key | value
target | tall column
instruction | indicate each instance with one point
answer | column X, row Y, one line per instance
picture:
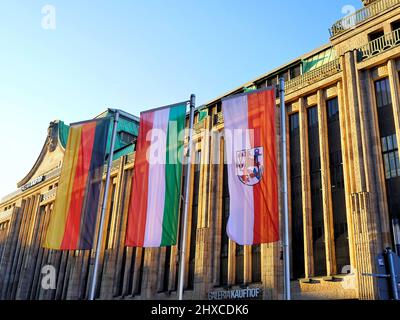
column 306, row 188
column 202, row 277
column 326, row 186
column 346, row 168
column 362, row 214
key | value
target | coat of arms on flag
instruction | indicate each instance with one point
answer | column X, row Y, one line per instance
column 250, row 166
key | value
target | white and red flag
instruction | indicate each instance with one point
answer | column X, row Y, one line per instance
column 250, row 146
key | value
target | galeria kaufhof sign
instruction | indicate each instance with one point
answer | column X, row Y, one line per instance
column 236, row 294
column 33, row 183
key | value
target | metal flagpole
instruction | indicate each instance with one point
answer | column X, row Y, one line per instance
column 186, row 209
column 286, row 251
column 103, row 209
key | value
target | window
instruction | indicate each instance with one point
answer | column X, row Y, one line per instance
column 337, row 186
column 296, row 199
column 256, row 263
column 389, row 144
column 239, row 264
column 167, row 266
column 195, row 208
column 125, row 277
column 316, row 193
column 395, row 25
column 219, row 107
column 126, row 137
column 376, row 35
column 391, row 156
column 138, row 289
column 284, row 75
column 383, row 96
column 272, row 81
column 223, row 269
column 313, row 118
column 109, row 234
column 295, row 72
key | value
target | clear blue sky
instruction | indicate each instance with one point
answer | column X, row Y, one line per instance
column 137, row 55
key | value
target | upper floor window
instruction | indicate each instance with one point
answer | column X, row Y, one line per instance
column 284, row 75
column 294, row 123
column 376, row 35
column 383, row 96
column 126, row 137
column 312, row 117
column 295, row 72
column 395, row 25
column 333, row 110
column 391, row 157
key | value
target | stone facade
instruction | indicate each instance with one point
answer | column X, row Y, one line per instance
column 365, row 54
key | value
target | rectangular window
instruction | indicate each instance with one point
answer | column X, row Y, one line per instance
column 195, row 208
column 295, row 72
column 391, row 157
column 395, row 25
column 256, row 264
column 337, row 186
column 296, row 199
column 126, row 137
column 109, row 234
column 167, row 266
column 239, row 264
column 138, row 289
column 375, row 35
column 387, row 131
column 316, row 193
column 223, row 272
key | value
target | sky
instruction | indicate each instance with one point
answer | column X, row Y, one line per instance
column 84, row 56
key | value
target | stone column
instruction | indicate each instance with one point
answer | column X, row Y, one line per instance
column 362, row 216
column 326, row 185
column 306, row 191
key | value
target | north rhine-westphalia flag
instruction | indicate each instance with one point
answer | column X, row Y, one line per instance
column 250, row 146
column 72, row 222
column 156, row 187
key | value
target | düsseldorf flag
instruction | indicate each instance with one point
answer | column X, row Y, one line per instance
column 250, row 146
column 156, row 189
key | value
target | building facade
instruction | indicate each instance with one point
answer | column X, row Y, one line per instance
column 343, row 128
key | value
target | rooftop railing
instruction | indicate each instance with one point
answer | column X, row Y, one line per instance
column 353, row 20
column 380, row 45
column 313, row 76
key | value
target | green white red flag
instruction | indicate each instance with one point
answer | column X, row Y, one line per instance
column 155, row 198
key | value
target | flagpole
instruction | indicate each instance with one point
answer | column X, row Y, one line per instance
column 286, row 249
column 181, row 275
column 103, row 209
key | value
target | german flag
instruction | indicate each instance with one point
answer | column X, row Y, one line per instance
column 72, row 222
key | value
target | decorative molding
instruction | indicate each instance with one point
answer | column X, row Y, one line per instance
column 49, row 145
